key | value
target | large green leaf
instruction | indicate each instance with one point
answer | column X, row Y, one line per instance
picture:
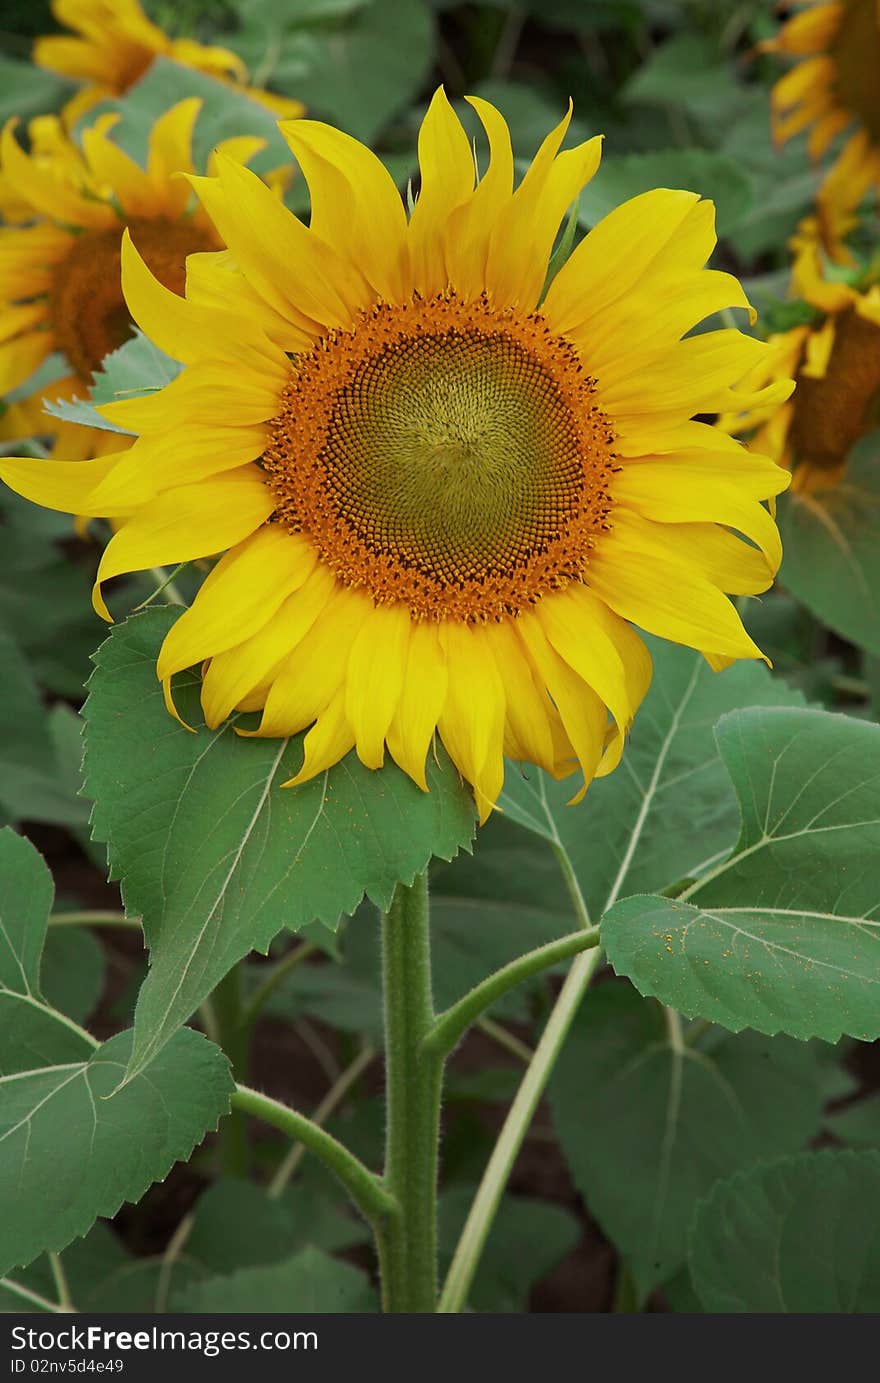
column 357, row 72
column 239, row 1225
column 688, row 74
column 784, row 934
column 32, row 1032
column 649, row 1120
column 798, row 1237
column 209, row 848
column 832, row 548
column 72, row 973
column 309, row 1282
column 71, row 1149
column 669, row 808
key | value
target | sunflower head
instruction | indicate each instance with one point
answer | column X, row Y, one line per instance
column 60, row 287
column 443, row 495
column 834, row 354
column 113, row 45
column 833, row 88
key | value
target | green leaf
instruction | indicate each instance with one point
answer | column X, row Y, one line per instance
column 309, row 1282
column 72, row 973
column 209, row 849
column 44, row 596
column 239, row 1225
column 71, row 1149
column 782, row 935
column 135, row 368
column 669, row 809
column 86, row 1262
column 648, row 1121
column 687, row 73
column 361, row 72
column 710, row 174
column 798, row 1237
column 28, row 90
column 832, row 548
column 529, row 1238
column 32, row 1032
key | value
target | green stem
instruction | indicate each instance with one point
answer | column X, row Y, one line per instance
column 65, row 1300
column 504, row 1154
column 413, row 1077
column 626, row 1299
column 277, row 973
column 93, row 919
column 450, row 1027
column 364, row 1187
column 233, row 1038
column 18, row 1289
column 166, row 583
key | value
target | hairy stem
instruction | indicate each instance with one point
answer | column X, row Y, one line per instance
column 449, row 1028
column 363, row 1186
column 413, row 1076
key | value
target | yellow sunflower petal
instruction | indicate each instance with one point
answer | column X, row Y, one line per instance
column 470, row 224
column 615, row 254
column 184, row 523
column 178, row 327
column 523, row 237
column 582, row 712
column 266, row 239
column 232, row 676
column 472, row 719
column 20, row 357
column 652, row 583
column 312, row 676
column 356, row 208
column 239, row 597
column 374, row 679
column 329, row 740
column 62, row 485
column 55, row 199
column 446, row 164
column 420, row 702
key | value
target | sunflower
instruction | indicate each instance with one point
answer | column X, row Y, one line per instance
column 60, row 287
column 835, row 357
column 835, row 87
column 440, row 492
column 115, row 47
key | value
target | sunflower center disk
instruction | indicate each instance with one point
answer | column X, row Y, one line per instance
column 856, row 54
column 831, row 413
column 87, row 311
column 444, row 455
